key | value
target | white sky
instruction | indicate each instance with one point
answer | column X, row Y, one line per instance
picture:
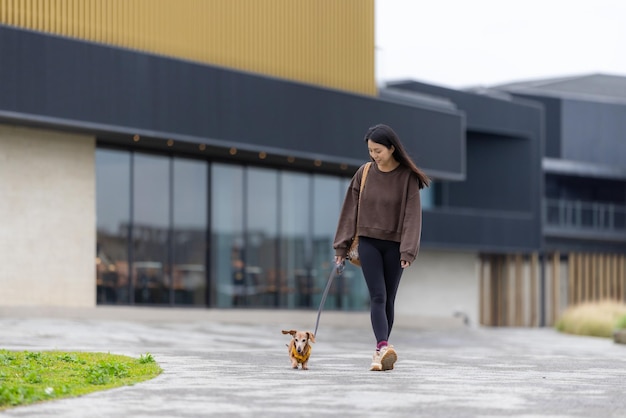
column 464, row 43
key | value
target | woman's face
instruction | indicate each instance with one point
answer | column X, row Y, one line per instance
column 380, row 153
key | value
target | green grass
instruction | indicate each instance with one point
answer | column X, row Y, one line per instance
column 29, row 377
column 597, row 319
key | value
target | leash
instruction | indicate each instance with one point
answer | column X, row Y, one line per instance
column 334, row 272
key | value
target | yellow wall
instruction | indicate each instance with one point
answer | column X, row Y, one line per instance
column 323, row 42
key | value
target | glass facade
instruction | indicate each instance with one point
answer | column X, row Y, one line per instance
column 150, row 232
column 189, row 231
column 113, row 226
column 179, row 231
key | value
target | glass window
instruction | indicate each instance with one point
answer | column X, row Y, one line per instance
column 348, row 291
column 189, row 231
column 270, row 244
column 150, row 232
column 427, row 196
column 295, row 215
column 228, row 275
column 267, row 284
column 328, row 194
column 113, row 223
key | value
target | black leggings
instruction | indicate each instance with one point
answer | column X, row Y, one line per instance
column 380, row 262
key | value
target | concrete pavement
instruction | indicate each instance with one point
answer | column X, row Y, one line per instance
column 235, row 364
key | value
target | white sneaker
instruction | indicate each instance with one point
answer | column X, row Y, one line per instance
column 376, row 366
column 388, row 357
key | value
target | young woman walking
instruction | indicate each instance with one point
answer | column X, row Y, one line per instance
column 389, row 228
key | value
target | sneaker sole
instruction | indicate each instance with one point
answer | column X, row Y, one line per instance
column 388, row 360
column 376, row 368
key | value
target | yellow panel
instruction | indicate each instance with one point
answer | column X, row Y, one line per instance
column 323, row 42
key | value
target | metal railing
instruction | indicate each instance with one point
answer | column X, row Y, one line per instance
column 577, row 214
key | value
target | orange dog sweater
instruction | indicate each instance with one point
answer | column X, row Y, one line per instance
column 301, row 357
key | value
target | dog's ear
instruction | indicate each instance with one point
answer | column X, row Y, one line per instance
column 310, row 336
column 292, row 332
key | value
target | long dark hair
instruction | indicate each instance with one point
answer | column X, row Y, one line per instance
column 384, row 135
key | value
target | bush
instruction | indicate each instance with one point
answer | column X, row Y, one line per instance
column 596, row 319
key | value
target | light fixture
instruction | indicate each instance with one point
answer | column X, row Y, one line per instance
column 136, row 138
column 232, row 151
column 317, row 163
column 344, row 166
column 202, row 147
column 262, row 155
column 291, row 159
column 170, row 142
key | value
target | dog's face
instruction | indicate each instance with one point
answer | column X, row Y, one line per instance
column 300, row 339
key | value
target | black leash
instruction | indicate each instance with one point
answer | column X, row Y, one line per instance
column 334, row 272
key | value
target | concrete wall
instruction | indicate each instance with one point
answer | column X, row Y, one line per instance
column 440, row 283
column 47, row 218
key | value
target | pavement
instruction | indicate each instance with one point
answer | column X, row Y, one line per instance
column 234, row 363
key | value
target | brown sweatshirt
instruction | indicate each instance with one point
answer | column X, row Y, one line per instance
column 390, row 210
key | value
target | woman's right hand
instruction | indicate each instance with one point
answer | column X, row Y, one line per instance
column 339, row 259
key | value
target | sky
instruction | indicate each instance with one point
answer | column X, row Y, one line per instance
column 470, row 43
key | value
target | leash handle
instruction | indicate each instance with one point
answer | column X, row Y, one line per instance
column 338, row 270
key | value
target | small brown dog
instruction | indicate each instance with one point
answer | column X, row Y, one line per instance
column 299, row 347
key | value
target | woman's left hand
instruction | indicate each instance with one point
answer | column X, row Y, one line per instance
column 404, row 264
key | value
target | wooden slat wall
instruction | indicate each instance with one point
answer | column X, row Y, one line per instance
column 556, row 286
column 510, row 289
column 328, row 43
column 534, row 290
column 595, row 277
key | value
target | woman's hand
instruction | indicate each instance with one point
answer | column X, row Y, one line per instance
column 404, row 264
column 339, row 259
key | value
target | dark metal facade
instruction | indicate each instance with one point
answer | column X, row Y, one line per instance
column 497, row 208
column 118, row 93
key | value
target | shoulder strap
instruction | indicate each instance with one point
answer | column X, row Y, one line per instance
column 358, row 206
column 365, row 170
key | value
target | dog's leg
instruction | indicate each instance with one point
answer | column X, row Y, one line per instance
column 294, row 363
column 305, row 365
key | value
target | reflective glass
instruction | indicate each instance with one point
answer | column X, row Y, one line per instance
column 327, row 198
column 348, row 291
column 113, row 223
column 270, row 243
column 150, row 231
column 266, row 283
column 228, row 273
column 295, row 243
column 189, row 231
column 427, row 196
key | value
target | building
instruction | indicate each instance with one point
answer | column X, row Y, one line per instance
column 560, row 165
column 584, row 172
column 197, row 154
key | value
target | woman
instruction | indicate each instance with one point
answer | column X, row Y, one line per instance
column 389, row 228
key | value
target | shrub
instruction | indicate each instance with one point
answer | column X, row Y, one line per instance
column 596, row 319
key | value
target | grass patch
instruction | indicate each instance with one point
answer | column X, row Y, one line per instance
column 597, row 319
column 29, row 377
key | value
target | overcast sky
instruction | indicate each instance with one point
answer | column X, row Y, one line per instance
column 464, row 43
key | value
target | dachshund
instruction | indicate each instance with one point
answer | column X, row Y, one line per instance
column 299, row 347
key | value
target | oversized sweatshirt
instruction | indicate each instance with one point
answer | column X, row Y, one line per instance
column 390, row 210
